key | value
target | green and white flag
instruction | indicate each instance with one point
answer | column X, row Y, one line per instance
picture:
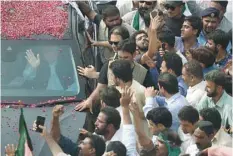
column 25, row 145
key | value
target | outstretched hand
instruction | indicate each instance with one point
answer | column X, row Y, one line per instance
column 88, row 71
column 84, row 105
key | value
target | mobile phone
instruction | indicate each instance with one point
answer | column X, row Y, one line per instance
column 163, row 46
column 154, row 13
column 40, row 120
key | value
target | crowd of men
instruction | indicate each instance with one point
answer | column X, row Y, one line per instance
column 164, row 82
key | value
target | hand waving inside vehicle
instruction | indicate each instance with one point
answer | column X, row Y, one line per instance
column 33, row 60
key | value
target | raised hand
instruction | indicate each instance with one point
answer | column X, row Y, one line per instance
column 126, row 97
column 58, row 110
column 134, row 109
column 10, row 150
column 88, row 72
column 157, row 22
column 150, row 92
column 33, row 60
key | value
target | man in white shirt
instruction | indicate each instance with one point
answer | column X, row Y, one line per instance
column 202, row 137
column 193, row 77
column 221, row 138
column 188, row 117
column 140, row 19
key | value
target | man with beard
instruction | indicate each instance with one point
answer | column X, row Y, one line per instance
column 218, row 41
column 109, row 19
column 188, row 117
column 216, row 95
column 91, row 146
column 140, row 19
column 202, row 137
column 108, row 124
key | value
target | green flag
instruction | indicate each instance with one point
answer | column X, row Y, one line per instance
column 25, row 145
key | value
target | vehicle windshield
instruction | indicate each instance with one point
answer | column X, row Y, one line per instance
column 46, row 70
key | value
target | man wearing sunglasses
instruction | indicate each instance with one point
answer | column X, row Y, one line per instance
column 140, row 19
column 106, row 21
column 174, row 16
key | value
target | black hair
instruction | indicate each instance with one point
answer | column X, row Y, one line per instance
column 194, row 68
column 206, row 126
column 134, row 35
column 228, row 84
column 222, row 3
column 189, row 114
column 98, row 144
column 160, row 115
column 166, row 36
column 195, row 22
column 127, row 45
column 113, row 116
column 219, row 37
column 212, row 115
column 173, row 62
column 110, row 96
column 168, row 82
column 203, row 55
column 110, row 11
column 117, row 147
column 122, row 70
column 216, row 76
column 121, row 31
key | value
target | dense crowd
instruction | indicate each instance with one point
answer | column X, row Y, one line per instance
column 164, row 82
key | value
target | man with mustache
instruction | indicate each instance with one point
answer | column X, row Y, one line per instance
column 202, row 137
column 140, row 19
column 216, row 95
column 210, row 20
column 109, row 19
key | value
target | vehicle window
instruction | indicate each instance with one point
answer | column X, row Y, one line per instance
column 46, row 70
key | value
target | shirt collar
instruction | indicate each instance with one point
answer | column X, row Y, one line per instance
column 220, row 102
column 172, row 98
column 197, row 86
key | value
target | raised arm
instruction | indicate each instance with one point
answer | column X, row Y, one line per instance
column 53, row 145
column 55, row 131
column 129, row 136
column 143, row 139
column 85, row 9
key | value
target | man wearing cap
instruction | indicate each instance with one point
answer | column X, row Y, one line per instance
column 174, row 18
column 210, row 20
column 225, row 24
column 203, row 135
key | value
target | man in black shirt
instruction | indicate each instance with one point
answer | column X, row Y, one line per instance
column 126, row 51
column 174, row 17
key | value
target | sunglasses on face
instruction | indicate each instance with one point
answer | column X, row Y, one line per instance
column 147, row 3
column 167, row 7
column 115, row 43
